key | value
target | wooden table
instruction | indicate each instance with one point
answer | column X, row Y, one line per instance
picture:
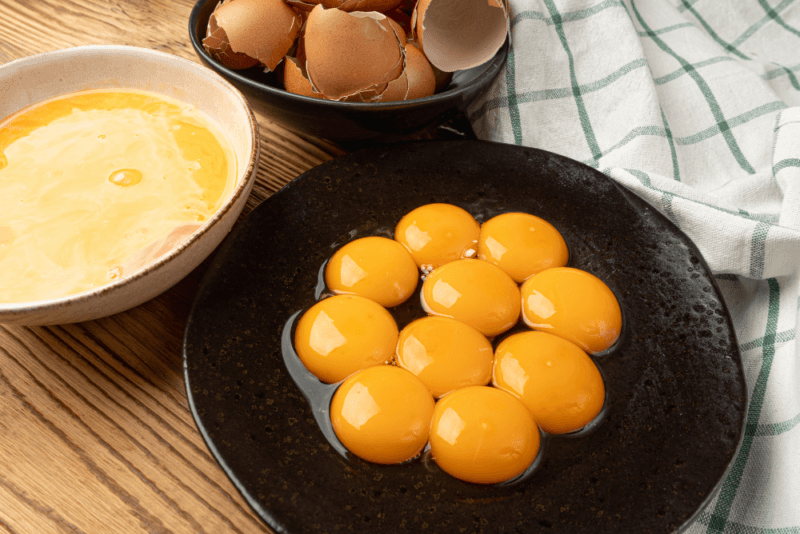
column 95, row 430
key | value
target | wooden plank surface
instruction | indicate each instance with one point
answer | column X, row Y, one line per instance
column 95, row 431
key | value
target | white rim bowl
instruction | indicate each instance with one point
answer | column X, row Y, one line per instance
column 35, row 78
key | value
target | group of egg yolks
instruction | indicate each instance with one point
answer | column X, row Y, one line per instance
column 484, row 426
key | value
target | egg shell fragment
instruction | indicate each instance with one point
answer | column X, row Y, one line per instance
column 397, row 90
column 460, row 34
column 295, row 79
column 262, row 29
column 421, row 78
column 352, row 54
column 218, row 46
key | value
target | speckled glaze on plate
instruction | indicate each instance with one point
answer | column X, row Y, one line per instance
column 676, row 392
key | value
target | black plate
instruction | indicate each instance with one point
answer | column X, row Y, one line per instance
column 676, row 391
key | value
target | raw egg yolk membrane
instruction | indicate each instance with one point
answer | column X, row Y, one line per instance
column 522, row 245
column 377, row 268
column 574, row 305
column 557, row 381
column 382, row 414
column 483, row 435
column 437, row 234
column 89, row 179
column 343, row 334
column 445, row 354
column 474, row 292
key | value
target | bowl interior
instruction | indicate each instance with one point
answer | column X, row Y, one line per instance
column 36, row 78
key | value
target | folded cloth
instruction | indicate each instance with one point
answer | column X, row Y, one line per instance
column 695, row 106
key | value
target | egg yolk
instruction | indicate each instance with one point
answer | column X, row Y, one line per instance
column 557, row 381
column 445, row 354
column 522, row 245
column 343, row 334
column 474, row 292
column 382, row 414
column 483, row 435
column 574, row 305
column 377, row 268
column 437, row 234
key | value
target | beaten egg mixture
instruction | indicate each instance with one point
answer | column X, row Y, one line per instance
column 89, row 180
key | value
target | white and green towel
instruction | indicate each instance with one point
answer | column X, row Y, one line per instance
column 695, row 106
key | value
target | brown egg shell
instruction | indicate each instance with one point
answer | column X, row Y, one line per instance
column 352, row 54
column 295, row 79
column 460, row 34
column 217, row 45
column 397, row 90
column 262, row 29
column 421, row 78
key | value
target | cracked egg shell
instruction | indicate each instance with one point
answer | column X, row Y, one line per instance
column 397, row 90
column 351, row 54
column 295, row 79
column 261, row 29
column 217, row 45
column 460, row 34
column 421, row 78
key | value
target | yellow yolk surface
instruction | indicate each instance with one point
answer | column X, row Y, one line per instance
column 343, row 334
column 572, row 304
column 554, row 378
column 382, row 414
column 90, row 179
column 374, row 267
column 474, row 292
column 483, row 435
column 522, row 245
column 445, row 354
column 437, row 234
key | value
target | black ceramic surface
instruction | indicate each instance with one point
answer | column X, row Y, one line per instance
column 676, row 393
column 344, row 121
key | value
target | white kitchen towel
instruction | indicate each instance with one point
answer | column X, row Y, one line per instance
column 695, row 106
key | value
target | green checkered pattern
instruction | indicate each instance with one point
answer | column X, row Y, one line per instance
column 695, row 106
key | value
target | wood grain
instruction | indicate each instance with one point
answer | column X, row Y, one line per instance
column 95, row 431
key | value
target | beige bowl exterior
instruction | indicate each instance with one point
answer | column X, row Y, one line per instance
column 35, row 78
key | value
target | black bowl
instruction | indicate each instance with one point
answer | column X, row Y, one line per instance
column 346, row 121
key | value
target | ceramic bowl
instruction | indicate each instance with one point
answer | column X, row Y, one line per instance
column 35, row 78
column 346, row 121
